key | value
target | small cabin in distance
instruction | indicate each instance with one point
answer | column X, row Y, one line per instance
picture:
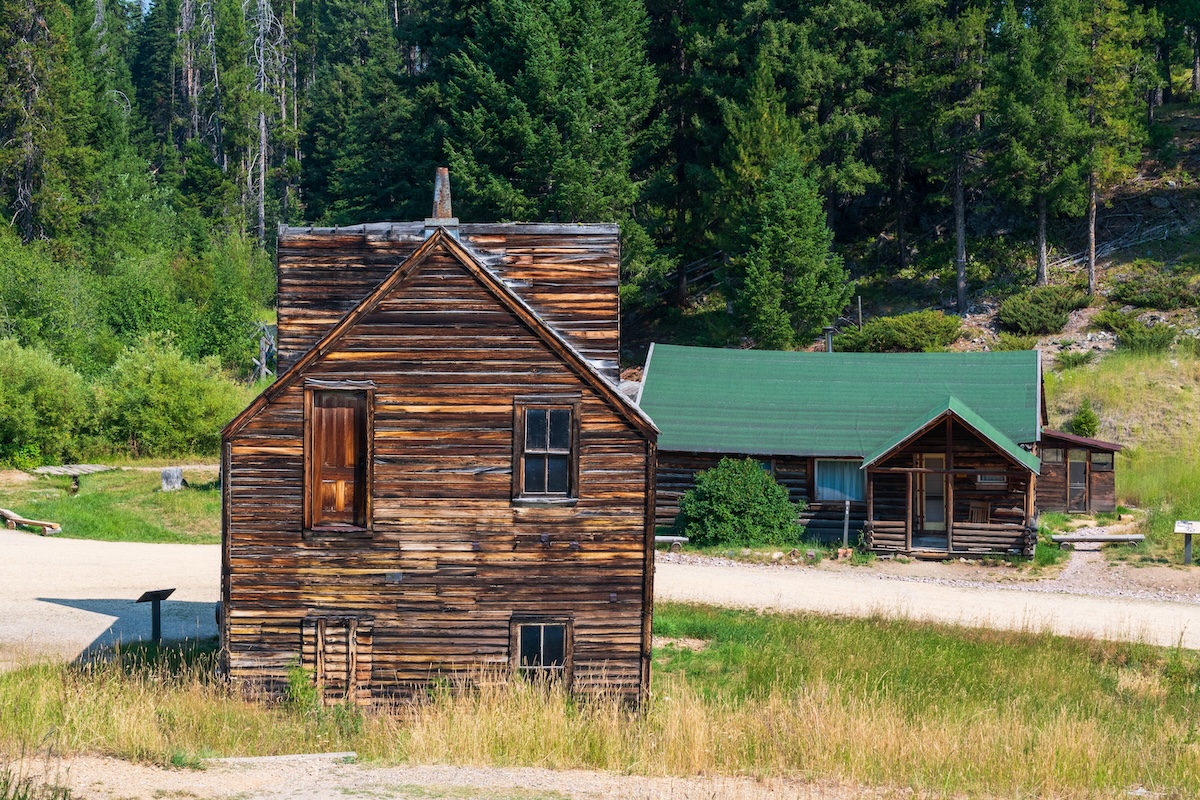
column 444, row 479
column 1078, row 473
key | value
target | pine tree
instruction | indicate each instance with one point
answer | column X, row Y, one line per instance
column 1040, row 158
column 547, row 102
column 794, row 284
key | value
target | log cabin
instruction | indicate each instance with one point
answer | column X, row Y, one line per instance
column 929, row 454
column 444, row 481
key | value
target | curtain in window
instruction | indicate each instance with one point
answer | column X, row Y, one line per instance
column 841, row 480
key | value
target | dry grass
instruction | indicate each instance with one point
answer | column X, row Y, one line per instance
column 876, row 702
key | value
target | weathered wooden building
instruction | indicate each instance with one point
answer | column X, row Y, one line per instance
column 444, row 478
column 932, row 451
column 1078, row 473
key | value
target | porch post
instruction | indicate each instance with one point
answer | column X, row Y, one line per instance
column 908, row 498
column 949, row 483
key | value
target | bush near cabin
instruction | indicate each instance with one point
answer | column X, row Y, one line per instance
column 738, row 503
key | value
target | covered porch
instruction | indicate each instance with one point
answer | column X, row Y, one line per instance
column 951, row 485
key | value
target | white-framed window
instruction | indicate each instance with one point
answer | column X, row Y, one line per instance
column 992, row 482
column 839, row 479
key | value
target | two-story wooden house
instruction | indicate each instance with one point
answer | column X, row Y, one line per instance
column 444, row 479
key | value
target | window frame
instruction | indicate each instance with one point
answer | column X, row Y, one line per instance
column 1111, row 466
column 992, row 482
column 566, row 672
column 521, row 406
column 817, row 498
column 362, row 528
column 1059, row 450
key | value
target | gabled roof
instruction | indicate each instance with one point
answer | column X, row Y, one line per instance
column 955, row 409
column 441, row 239
column 761, row 402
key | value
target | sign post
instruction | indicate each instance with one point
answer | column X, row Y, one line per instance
column 155, row 599
column 1187, row 528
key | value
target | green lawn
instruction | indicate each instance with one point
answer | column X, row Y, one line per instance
column 123, row 505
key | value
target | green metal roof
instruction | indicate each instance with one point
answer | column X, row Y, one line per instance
column 956, row 408
column 762, row 402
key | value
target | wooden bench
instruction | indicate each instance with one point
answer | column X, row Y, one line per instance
column 12, row 519
column 1103, row 538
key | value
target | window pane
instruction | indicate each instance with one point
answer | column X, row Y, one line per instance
column 840, row 480
column 535, row 474
column 535, row 429
column 1053, row 455
column 531, row 645
column 560, row 429
column 554, row 645
column 557, row 474
column 1102, row 461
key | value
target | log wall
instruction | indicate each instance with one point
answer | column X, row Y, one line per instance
column 568, row 274
column 1007, row 512
column 450, row 558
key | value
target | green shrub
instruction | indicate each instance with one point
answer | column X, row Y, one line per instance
column 1134, row 335
column 1010, row 341
column 1148, row 284
column 1073, row 360
column 155, row 402
column 916, row 332
column 1086, row 421
column 42, row 406
column 738, row 503
column 1042, row 310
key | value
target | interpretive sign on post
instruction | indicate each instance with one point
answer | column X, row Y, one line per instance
column 1187, row 527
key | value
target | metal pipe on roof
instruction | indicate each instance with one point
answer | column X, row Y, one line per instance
column 828, row 331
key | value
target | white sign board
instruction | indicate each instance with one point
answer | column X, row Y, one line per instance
column 1187, row 526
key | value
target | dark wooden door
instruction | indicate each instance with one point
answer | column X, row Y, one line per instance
column 1077, row 480
column 339, row 441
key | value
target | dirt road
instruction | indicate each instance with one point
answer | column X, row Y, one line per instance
column 60, row 597
column 865, row 592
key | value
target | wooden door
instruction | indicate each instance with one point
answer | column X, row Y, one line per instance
column 336, row 651
column 339, row 427
column 1077, row 480
column 933, row 494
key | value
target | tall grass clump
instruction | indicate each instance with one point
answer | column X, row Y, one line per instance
column 15, row 784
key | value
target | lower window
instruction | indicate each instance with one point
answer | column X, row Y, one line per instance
column 542, row 648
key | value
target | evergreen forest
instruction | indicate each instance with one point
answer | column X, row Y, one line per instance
column 783, row 149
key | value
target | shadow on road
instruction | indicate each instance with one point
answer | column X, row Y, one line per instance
column 181, row 620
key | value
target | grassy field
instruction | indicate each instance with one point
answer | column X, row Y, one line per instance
column 1150, row 404
column 941, row 710
column 123, row 505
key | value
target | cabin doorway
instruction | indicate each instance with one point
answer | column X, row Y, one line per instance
column 1077, row 480
column 930, row 533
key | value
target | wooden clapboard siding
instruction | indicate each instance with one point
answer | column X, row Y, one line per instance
column 1052, row 484
column 450, row 558
column 568, row 274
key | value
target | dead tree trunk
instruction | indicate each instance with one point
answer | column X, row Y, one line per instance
column 1091, row 233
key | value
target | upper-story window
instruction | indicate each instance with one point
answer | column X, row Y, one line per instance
column 337, row 459
column 547, row 452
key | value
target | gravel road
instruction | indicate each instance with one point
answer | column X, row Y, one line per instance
column 61, row 597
